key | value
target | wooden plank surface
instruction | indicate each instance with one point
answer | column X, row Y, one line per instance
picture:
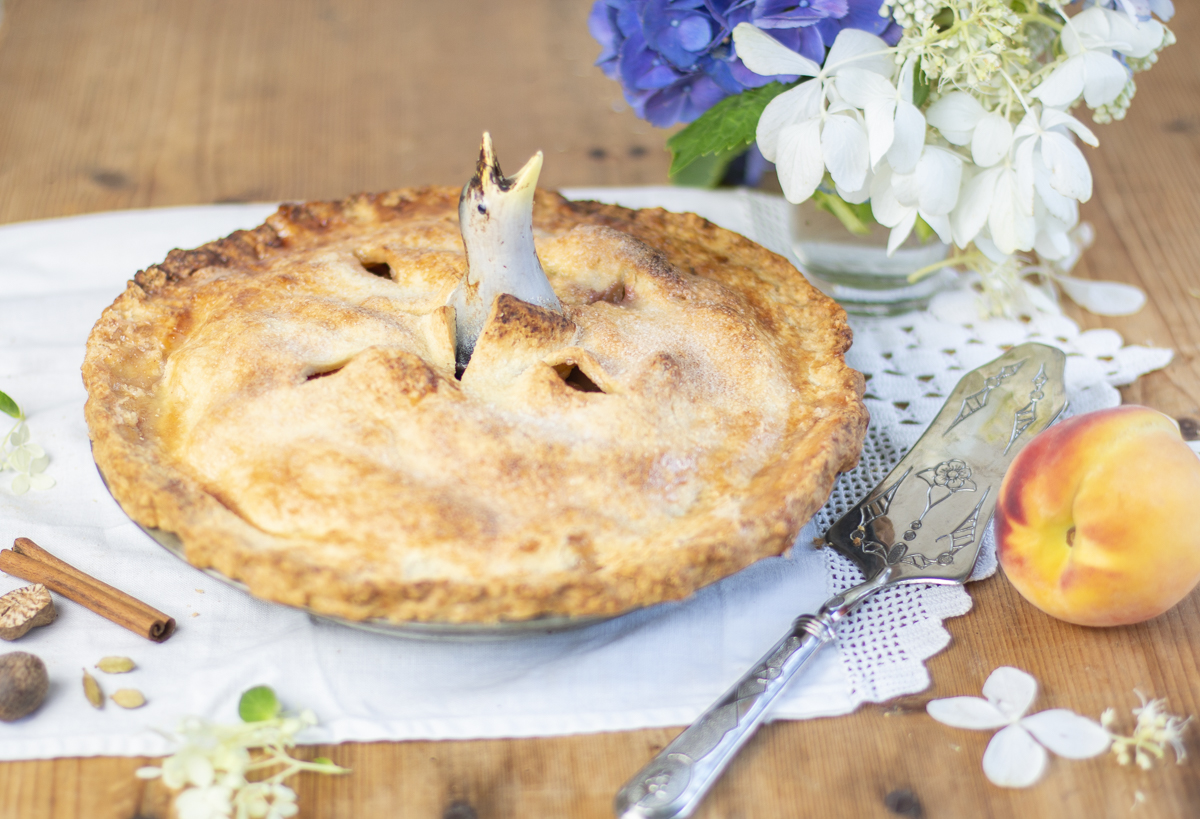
column 138, row 103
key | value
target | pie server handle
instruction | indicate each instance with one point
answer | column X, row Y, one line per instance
column 674, row 782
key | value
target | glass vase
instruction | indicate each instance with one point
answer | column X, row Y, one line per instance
column 856, row 271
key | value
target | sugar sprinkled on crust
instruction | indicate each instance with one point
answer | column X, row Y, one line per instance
column 285, row 401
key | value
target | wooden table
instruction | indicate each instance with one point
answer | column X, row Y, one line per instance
column 138, row 103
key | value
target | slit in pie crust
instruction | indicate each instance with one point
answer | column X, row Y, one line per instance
column 286, row 401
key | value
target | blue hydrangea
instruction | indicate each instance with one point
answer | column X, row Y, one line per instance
column 675, row 59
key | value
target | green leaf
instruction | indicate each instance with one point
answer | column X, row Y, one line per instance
column 258, row 704
column 728, row 126
column 856, row 218
column 9, row 406
column 706, row 171
column 920, row 85
column 322, row 760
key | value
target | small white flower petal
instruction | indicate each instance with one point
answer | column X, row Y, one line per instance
column 1103, row 298
column 1040, row 301
column 1024, row 173
column 792, row 107
column 1106, row 79
column 985, row 245
column 1069, row 171
column 909, row 139
column 992, row 139
column 1068, row 734
column 1091, row 28
column 41, row 482
column 877, row 98
column 1011, row 228
column 1053, row 118
column 149, row 772
column 940, row 224
column 1052, row 242
column 859, row 196
column 1075, row 34
column 19, row 435
column 862, row 50
column 885, row 207
column 1027, row 127
column 901, row 232
column 20, row 484
column 881, row 128
column 1013, row 759
column 956, row 116
column 1135, row 38
column 904, row 82
column 1011, row 689
column 1064, row 85
column 1062, row 208
column 212, row 802
column 846, row 151
column 939, row 177
column 906, row 187
column 967, row 712
column 199, row 770
column 173, row 778
column 974, row 205
column 1129, row 7
column 799, row 161
column 20, row 459
column 861, row 87
column 766, row 56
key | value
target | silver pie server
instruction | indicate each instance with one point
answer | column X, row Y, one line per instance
column 922, row 524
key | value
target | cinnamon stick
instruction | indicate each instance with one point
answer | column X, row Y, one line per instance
column 31, row 562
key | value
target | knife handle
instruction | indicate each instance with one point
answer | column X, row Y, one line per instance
column 674, row 782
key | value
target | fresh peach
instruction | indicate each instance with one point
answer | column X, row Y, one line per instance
column 1093, row 522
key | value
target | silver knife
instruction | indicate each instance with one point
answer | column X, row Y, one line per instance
column 922, row 524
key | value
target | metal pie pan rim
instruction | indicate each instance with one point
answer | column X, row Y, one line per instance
column 416, row 630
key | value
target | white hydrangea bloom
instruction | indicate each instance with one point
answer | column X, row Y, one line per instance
column 895, row 127
column 1091, row 71
column 991, row 164
column 205, row 802
column 810, row 129
column 212, row 765
column 25, row 458
column 1016, row 756
column 930, row 191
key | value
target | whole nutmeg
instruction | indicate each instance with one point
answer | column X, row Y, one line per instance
column 23, row 684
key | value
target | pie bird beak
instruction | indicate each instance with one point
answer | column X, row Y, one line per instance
column 491, row 181
column 526, row 179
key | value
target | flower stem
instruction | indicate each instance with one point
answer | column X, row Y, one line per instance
column 964, row 259
column 1036, row 17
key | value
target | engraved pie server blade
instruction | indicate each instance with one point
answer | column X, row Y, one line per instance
column 922, row 524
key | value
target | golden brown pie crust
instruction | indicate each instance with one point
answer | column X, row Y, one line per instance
column 285, row 401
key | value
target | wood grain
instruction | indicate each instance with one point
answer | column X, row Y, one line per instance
column 138, row 103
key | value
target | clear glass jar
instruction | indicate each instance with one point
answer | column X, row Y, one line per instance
column 856, row 271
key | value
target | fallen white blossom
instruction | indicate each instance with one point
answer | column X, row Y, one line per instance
column 1016, row 756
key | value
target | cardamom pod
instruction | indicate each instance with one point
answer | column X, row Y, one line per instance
column 91, row 690
column 129, row 698
column 116, row 665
